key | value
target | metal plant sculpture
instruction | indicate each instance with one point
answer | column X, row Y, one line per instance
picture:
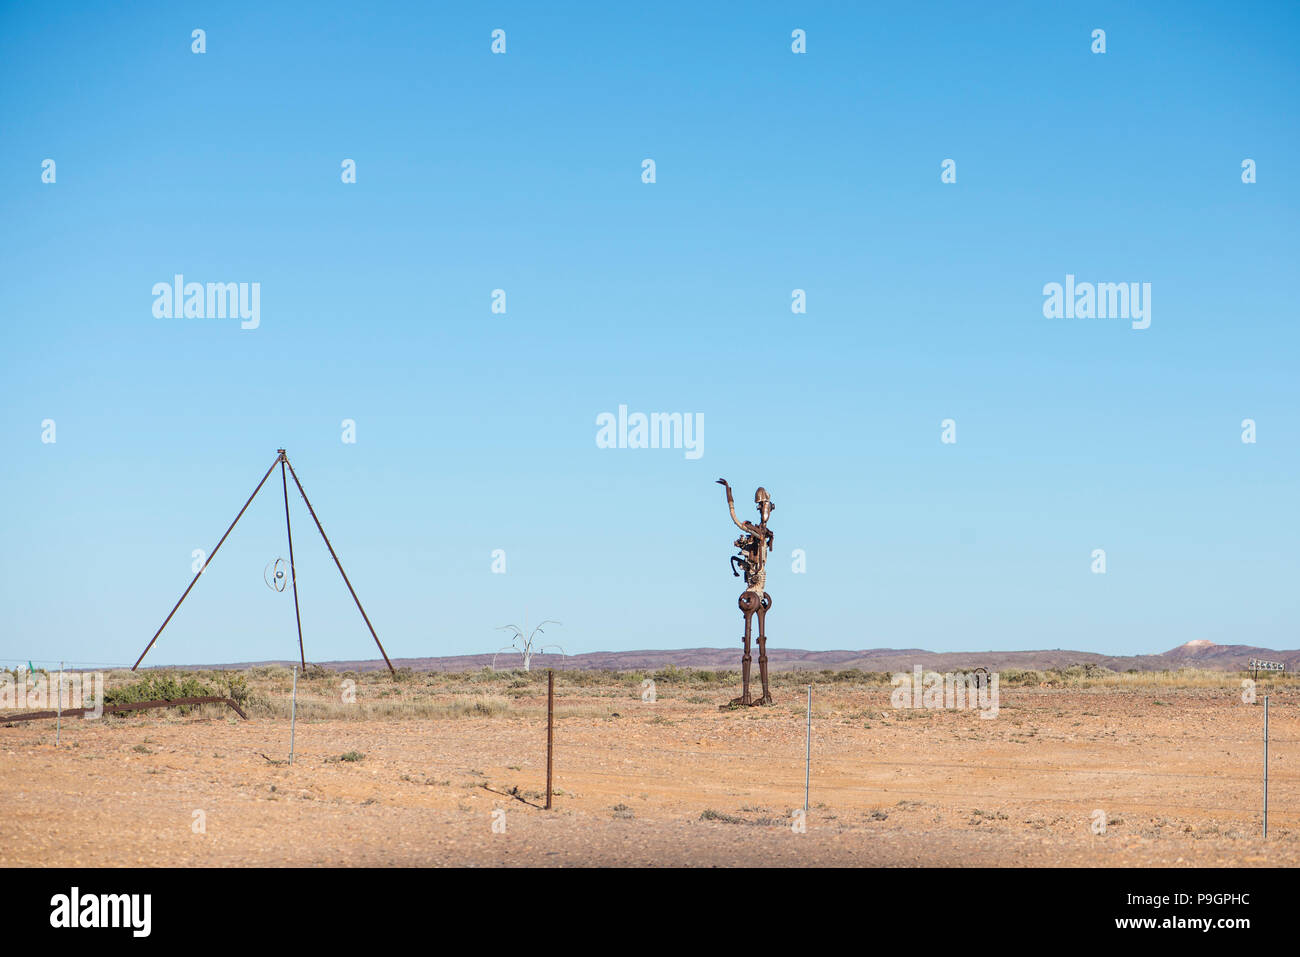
column 524, row 640
column 752, row 561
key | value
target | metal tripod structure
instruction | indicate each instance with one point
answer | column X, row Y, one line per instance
column 282, row 460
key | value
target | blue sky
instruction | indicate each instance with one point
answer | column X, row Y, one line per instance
column 774, row 171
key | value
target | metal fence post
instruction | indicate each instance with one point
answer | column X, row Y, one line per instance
column 807, row 758
column 293, row 713
column 1266, row 767
column 550, row 731
column 58, row 721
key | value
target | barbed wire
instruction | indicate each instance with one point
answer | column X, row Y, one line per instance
column 54, row 664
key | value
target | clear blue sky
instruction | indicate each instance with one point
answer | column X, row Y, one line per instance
column 775, row 171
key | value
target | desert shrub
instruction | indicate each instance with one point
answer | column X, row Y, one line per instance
column 162, row 686
column 159, row 686
column 235, row 687
column 1075, row 673
column 708, row 814
column 797, row 677
column 671, row 674
column 483, row 705
column 262, row 672
column 262, row 704
column 1021, row 676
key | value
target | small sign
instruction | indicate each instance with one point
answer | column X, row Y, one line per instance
column 1257, row 665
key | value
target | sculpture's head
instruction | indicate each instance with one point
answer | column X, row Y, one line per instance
column 763, row 502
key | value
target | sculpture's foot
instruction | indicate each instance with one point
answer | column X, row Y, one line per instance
column 762, row 699
column 742, row 702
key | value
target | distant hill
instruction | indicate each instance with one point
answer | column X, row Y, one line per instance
column 1194, row 654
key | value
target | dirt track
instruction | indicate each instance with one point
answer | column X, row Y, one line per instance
column 1178, row 777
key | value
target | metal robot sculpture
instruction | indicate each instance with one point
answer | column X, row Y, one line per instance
column 752, row 559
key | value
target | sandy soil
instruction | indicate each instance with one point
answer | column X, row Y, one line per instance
column 674, row 782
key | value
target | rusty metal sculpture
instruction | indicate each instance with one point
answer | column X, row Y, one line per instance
column 282, row 460
column 752, row 561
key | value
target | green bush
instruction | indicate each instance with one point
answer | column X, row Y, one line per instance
column 159, row 687
column 162, row 686
column 235, row 687
column 1021, row 676
column 671, row 674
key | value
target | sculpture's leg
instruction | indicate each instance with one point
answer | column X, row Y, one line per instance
column 748, row 605
column 763, row 606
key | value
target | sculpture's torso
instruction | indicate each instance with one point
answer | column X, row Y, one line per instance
column 753, row 551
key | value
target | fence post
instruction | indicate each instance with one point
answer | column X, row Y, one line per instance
column 58, row 721
column 293, row 713
column 1266, row 767
column 550, row 730
column 807, row 758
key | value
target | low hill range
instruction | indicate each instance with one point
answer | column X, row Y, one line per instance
column 1194, row 654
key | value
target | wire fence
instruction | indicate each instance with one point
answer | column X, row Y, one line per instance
column 44, row 664
column 697, row 773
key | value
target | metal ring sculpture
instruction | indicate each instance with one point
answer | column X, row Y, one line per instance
column 275, row 575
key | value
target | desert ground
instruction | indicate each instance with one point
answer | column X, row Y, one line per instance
column 438, row 769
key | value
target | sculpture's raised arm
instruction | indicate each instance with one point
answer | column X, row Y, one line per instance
column 731, row 504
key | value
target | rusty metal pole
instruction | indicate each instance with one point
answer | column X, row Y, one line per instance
column 293, row 573
column 550, row 731
column 321, row 529
column 206, row 562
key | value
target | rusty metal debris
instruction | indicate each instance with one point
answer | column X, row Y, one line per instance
column 752, row 562
column 282, row 460
column 133, row 706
